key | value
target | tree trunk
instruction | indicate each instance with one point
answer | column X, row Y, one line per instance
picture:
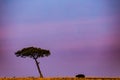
column 37, row 63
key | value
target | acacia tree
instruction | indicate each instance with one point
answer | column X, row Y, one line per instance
column 34, row 53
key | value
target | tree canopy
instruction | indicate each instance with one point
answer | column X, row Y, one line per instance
column 32, row 52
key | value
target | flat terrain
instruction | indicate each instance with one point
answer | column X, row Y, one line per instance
column 33, row 78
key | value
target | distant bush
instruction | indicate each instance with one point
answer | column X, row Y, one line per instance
column 80, row 76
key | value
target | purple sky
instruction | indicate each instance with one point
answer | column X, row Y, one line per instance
column 82, row 35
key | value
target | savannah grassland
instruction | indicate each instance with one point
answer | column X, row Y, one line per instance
column 33, row 78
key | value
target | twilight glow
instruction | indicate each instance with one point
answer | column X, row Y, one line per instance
column 82, row 35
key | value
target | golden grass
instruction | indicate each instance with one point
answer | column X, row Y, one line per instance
column 64, row 78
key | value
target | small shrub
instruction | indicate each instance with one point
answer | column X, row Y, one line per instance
column 80, row 76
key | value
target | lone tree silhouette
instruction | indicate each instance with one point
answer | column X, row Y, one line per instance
column 35, row 53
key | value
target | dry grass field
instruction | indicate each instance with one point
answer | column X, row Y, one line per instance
column 33, row 78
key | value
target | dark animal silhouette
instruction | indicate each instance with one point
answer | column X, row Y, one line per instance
column 80, row 76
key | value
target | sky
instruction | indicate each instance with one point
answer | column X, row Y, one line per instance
column 82, row 35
